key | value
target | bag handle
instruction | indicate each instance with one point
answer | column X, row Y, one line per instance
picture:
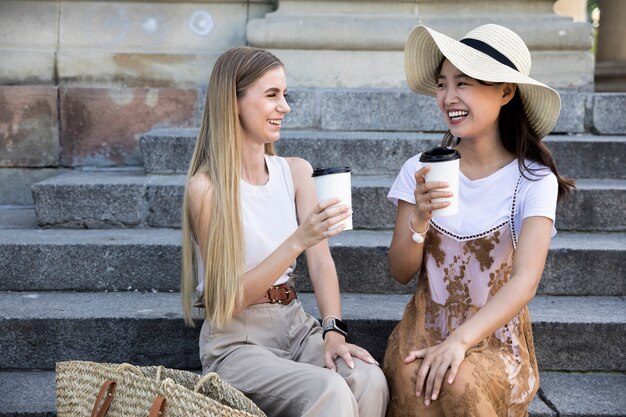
column 158, row 407
column 203, row 380
column 130, row 368
column 100, row 407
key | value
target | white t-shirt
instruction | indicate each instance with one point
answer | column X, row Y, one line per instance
column 486, row 202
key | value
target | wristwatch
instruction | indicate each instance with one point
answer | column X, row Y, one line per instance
column 334, row 325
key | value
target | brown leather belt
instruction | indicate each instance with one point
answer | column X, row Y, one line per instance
column 278, row 294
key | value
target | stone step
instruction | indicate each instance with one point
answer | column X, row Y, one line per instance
column 149, row 259
column 112, row 198
column 32, row 394
column 39, row 328
column 168, row 151
column 379, row 109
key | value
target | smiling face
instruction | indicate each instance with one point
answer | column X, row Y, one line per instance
column 470, row 108
column 262, row 107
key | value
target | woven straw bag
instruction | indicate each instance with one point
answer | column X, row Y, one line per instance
column 86, row 389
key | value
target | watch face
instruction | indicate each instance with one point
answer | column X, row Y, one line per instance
column 341, row 326
column 336, row 325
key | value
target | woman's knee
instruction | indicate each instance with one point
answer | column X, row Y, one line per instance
column 367, row 379
column 332, row 384
column 405, row 376
column 463, row 379
column 332, row 394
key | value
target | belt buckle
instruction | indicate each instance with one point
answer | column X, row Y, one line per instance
column 278, row 300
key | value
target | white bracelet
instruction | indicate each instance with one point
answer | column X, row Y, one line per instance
column 330, row 316
column 418, row 237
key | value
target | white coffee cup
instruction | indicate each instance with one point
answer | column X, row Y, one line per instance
column 335, row 182
column 444, row 166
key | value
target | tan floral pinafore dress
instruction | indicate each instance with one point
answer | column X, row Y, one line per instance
column 460, row 273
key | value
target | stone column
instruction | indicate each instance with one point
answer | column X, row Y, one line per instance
column 577, row 9
column 611, row 50
column 354, row 43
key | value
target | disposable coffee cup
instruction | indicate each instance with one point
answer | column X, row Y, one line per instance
column 335, row 182
column 444, row 166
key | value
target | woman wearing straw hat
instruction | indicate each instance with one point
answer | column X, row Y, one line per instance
column 247, row 215
column 464, row 345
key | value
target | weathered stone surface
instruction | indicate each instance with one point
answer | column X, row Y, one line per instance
column 305, row 109
column 537, row 408
column 15, row 183
column 379, row 109
column 564, row 69
column 121, row 25
column 598, row 320
column 582, row 395
column 318, row 108
column 319, row 68
column 585, row 264
column 360, row 44
column 589, row 156
column 28, row 394
column 573, row 112
column 168, row 151
column 165, row 199
column 101, row 327
column 29, row 126
column 123, row 69
column 595, row 205
column 128, row 327
column 156, row 44
column 27, row 66
column 366, row 153
column 91, row 200
column 146, row 259
column 28, row 41
column 88, row 260
column 100, row 126
column 33, row 24
column 608, row 113
column 383, row 153
column 17, row 217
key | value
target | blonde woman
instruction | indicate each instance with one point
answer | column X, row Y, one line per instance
column 464, row 346
column 247, row 216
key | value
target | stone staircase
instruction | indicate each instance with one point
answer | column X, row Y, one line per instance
column 92, row 272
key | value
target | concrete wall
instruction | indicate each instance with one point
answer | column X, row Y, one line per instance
column 79, row 80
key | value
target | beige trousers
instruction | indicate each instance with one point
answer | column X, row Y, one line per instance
column 275, row 355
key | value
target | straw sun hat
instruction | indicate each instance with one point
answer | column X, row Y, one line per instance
column 489, row 53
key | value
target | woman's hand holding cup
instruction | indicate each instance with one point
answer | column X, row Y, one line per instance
column 322, row 223
column 425, row 193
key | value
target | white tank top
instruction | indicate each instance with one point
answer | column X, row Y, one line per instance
column 269, row 217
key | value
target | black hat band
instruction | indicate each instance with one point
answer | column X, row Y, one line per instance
column 489, row 50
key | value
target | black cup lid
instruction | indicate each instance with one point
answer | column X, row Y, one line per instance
column 318, row 172
column 439, row 154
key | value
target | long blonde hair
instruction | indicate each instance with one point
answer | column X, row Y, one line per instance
column 217, row 155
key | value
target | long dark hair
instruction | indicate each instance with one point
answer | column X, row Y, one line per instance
column 519, row 138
